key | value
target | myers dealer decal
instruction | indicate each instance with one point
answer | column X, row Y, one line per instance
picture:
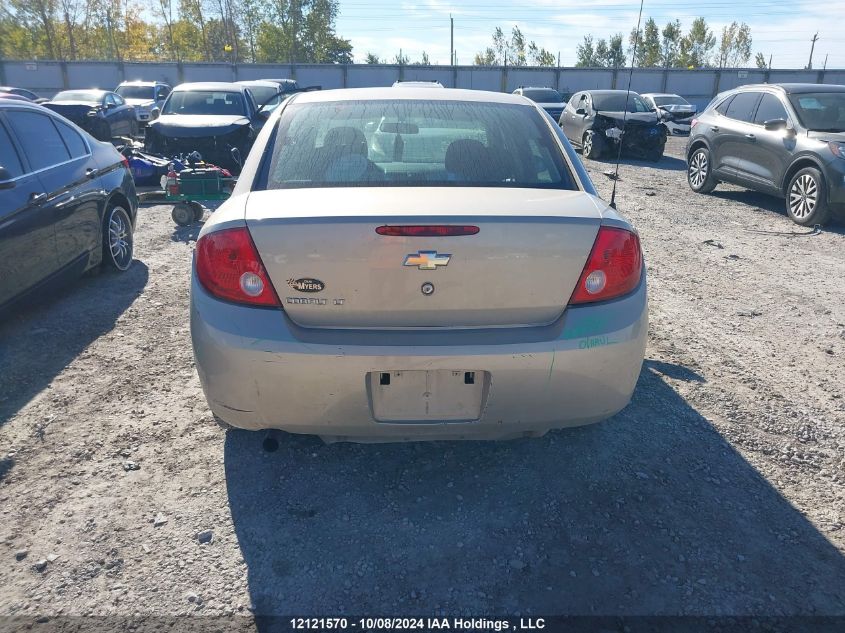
column 306, row 284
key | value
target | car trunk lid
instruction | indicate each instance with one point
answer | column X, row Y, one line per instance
column 331, row 268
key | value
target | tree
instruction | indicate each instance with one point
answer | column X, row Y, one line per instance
column 372, row 58
column 670, row 44
column 424, row 60
column 585, row 53
column 648, row 49
column 400, row 59
column 760, row 60
column 735, row 45
column 615, row 56
column 538, row 56
column 700, row 42
column 485, row 58
column 517, row 51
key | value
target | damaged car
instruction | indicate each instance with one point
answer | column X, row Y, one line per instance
column 210, row 118
column 675, row 112
column 597, row 121
column 101, row 113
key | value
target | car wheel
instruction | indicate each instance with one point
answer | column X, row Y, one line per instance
column 806, row 199
column 699, row 171
column 592, row 145
column 182, row 214
column 117, row 239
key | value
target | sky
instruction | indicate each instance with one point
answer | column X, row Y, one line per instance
column 779, row 28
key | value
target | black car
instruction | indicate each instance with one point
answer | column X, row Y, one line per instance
column 787, row 140
column 594, row 120
column 209, row 118
column 67, row 202
column 101, row 113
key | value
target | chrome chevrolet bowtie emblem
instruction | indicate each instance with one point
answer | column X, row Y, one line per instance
column 427, row 260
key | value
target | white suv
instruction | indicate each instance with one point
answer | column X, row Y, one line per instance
column 146, row 96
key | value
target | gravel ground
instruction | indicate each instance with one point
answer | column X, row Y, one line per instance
column 719, row 490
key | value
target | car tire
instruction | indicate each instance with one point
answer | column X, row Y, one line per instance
column 117, row 239
column 700, row 171
column 592, row 145
column 182, row 214
column 806, row 198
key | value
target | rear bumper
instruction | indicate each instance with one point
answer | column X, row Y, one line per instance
column 259, row 370
column 677, row 129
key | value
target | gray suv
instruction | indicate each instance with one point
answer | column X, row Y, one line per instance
column 786, row 140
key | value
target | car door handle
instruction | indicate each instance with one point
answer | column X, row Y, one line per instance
column 751, row 137
column 90, row 172
column 37, row 197
column 715, row 128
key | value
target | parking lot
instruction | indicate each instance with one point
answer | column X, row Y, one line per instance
column 719, row 490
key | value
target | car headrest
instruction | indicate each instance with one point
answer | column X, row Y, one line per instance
column 471, row 160
column 346, row 140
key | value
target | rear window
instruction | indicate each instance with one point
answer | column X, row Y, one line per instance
column 542, row 95
column 662, row 101
column 79, row 95
column 9, row 158
column 205, row 102
column 414, row 143
column 40, row 139
column 615, row 102
column 136, row 92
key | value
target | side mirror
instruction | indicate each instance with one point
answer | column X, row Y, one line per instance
column 6, row 181
column 109, row 106
column 580, row 111
column 154, row 114
column 263, row 115
column 773, row 125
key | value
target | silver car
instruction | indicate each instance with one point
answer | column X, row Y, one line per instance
column 467, row 284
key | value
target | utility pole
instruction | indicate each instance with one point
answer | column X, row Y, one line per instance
column 558, row 59
column 451, row 39
column 770, row 61
column 825, row 61
column 813, row 46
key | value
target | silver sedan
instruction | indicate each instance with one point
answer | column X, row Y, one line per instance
column 412, row 264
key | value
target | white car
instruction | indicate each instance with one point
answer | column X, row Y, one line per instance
column 676, row 113
column 147, row 97
column 468, row 283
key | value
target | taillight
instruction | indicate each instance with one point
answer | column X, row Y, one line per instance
column 228, row 266
column 124, row 161
column 427, row 230
column 613, row 268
